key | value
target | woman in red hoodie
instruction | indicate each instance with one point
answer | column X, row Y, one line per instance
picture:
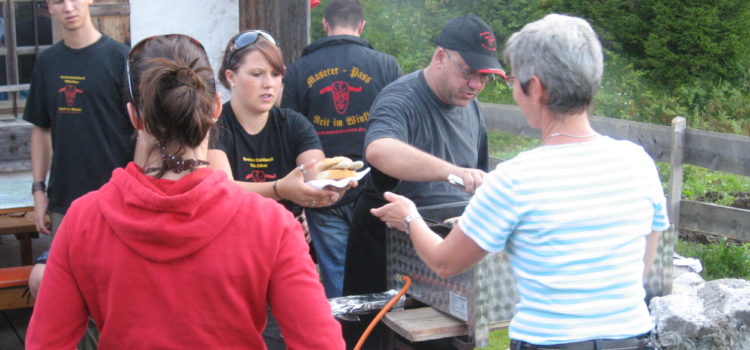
column 170, row 254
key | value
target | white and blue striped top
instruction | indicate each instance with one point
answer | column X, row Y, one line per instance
column 573, row 219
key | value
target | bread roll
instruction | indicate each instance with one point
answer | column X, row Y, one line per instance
column 337, row 168
column 336, row 174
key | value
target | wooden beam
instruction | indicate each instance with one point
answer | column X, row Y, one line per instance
column 424, row 323
column 110, row 10
column 675, row 180
column 16, row 87
column 717, row 151
column 718, row 219
column 708, row 149
column 287, row 21
column 655, row 139
column 508, row 119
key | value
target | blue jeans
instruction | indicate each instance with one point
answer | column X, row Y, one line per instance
column 329, row 229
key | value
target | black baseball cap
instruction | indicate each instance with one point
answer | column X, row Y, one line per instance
column 474, row 40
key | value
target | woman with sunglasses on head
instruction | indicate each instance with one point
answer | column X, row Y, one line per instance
column 170, row 254
column 266, row 149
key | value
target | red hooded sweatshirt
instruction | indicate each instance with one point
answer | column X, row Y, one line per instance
column 187, row 264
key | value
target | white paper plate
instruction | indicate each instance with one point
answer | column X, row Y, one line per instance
column 320, row 184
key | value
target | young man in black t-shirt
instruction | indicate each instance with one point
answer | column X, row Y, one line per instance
column 81, row 130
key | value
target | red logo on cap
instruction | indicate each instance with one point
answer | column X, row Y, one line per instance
column 490, row 41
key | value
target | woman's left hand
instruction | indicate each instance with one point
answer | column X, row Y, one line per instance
column 394, row 213
column 342, row 190
column 292, row 187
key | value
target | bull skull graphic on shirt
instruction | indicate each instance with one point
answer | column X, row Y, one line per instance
column 340, row 91
column 259, row 176
column 70, row 92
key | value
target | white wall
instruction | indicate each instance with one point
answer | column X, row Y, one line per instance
column 212, row 22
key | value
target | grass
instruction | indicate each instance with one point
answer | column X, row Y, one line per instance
column 498, row 340
column 722, row 259
column 506, row 146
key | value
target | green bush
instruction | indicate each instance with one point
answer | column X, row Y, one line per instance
column 673, row 41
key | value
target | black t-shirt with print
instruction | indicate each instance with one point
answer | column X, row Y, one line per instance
column 77, row 94
column 268, row 155
column 334, row 84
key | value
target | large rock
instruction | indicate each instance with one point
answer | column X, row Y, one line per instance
column 703, row 315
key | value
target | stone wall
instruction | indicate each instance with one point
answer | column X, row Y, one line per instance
column 701, row 315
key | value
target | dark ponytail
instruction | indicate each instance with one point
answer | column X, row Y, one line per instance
column 175, row 96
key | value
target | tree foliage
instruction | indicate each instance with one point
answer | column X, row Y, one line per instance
column 674, row 41
column 663, row 58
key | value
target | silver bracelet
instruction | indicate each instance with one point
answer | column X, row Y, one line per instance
column 408, row 221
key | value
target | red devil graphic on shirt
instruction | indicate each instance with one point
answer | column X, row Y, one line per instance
column 70, row 92
column 341, row 91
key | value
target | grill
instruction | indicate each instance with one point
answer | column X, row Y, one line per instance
column 484, row 296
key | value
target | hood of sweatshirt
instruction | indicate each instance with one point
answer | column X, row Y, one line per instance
column 333, row 41
column 163, row 220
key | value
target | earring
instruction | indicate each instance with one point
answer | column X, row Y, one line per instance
column 232, row 85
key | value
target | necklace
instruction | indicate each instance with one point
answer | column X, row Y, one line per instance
column 571, row 135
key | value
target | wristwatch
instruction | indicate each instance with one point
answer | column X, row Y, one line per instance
column 38, row 186
column 408, row 221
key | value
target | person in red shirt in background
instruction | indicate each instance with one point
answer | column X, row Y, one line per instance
column 170, row 254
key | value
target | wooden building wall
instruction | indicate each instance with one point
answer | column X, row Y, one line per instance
column 111, row 17
column 288, row 21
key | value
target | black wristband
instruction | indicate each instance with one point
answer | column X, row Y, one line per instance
column 38, row 186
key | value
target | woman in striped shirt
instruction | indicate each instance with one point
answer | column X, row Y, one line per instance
column 579, row 216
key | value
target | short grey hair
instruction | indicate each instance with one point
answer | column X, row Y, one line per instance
column 565, row 54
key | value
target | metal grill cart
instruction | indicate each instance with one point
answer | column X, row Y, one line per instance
column 484, row 297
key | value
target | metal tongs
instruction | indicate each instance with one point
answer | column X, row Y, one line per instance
column 457, row 181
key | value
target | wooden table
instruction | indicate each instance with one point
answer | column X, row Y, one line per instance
column 426, row 324
column 16, row 208
column 23, row 227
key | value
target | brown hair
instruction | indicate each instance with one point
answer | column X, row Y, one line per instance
column 344, row 13
column 174, row 90
column 232, row 59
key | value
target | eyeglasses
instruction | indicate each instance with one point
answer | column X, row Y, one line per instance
column 246, row 39
column 137, row 50
column 470, row 75
column 483, row 77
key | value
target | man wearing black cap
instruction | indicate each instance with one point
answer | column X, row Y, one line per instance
column 422, row 128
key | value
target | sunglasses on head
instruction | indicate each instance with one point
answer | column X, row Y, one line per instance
column 246, row 39
column 137, row 50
